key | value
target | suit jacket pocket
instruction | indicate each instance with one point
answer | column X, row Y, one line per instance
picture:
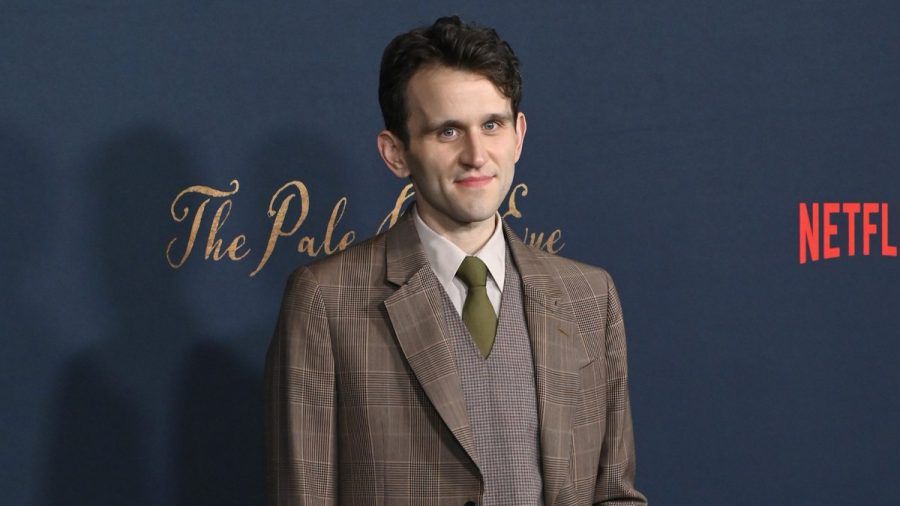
column 590, row 421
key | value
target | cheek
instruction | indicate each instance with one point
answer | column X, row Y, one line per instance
column 418, row 166
column 505, row 149
column 439, row 166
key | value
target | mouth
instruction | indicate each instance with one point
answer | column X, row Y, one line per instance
column 475, row 181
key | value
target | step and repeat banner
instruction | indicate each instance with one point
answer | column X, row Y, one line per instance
column 734, row 165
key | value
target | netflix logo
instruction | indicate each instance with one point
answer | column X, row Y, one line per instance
column 820, row 225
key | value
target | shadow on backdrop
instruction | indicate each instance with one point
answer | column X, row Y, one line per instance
column 26, row 209
column 123, row 399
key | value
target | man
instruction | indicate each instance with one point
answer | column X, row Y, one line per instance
column 444, row 361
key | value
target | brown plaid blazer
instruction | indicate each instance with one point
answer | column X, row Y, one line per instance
column 364, row 404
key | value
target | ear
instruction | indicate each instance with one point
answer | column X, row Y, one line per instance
column 521, row 126
column 391, row 149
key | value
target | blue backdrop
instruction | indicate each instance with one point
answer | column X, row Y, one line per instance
column 670, row 142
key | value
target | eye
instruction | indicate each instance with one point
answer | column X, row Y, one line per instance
column 447, row 133
column 492, row 125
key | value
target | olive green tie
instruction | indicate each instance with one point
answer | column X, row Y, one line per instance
column 478, row 313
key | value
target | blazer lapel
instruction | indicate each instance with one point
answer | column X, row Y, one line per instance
column 558, row 357
column 416, row 315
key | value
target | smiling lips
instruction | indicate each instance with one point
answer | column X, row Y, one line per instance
column 475, row 182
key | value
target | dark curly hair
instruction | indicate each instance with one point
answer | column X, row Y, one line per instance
column 451, row 43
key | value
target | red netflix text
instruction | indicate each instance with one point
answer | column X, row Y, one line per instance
column 819, row 225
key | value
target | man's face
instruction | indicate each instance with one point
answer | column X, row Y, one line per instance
column 463, row 146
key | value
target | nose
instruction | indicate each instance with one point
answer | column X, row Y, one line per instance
column 474, row 154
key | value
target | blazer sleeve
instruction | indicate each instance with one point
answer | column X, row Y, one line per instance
column 615, row 479
column 300, row 398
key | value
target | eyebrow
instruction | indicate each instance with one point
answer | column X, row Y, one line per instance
column 452, row 123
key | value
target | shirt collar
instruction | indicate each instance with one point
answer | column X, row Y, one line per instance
column 444, row 257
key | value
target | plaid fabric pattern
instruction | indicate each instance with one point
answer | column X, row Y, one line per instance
column 365, row 404
column 501, row 402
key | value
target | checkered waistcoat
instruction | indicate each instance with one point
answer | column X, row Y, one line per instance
column 500, row 400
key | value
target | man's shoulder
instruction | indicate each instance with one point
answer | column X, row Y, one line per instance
column 573, row 275
column 363, row 261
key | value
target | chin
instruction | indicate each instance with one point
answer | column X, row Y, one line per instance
column 476, row 215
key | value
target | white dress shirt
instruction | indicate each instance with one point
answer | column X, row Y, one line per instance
column 444, row 257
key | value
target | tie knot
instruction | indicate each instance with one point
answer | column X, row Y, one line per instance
column 473, row 272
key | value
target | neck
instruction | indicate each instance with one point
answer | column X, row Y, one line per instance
column 469, row 237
